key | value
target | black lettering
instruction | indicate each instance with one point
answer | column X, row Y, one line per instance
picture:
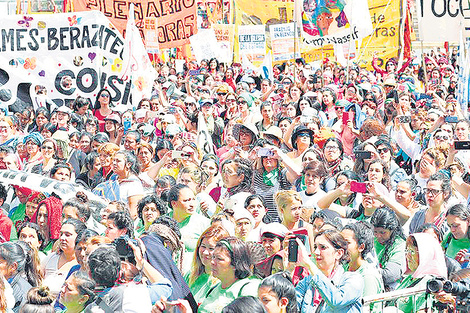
column 100, row 35
column 189, row 23
column 138, row 12
column 111, row 85
column 74, row 34
column 117, row 42
column 433, row 8
column 52, row 40
column 34, row 45
column 20, row 35
column 63, row 36
column 188, row 3
column 45, row 183
column 392, row 31
column 456, row 11
column 180, row 29
column 109, row 32
column 127, row 92
column 86, row 37
column 119, row 7
column 152, row 10
column 8, row 37
column 170, row 29
column 94, row 80
column 58, row 85
column 94, row 40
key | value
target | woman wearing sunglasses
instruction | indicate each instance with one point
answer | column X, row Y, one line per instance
column 102, row 110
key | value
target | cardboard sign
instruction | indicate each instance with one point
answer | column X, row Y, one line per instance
column 252, row 41
column 282, row 42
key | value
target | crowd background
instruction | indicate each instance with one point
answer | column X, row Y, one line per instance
column 317, row 188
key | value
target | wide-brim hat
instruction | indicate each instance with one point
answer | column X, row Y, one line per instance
column 252, row 128
column 298, row 130
column 274, row 131
column 113, row 117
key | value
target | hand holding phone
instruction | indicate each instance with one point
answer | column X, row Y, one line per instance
column 293, row 250
column 358, row 187
column 462, row 145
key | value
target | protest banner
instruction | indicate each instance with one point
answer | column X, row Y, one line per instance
column 46, row 185
column 225, row 34
column 252, row 41
column 62, row 55
column 176, row 19
column 282, row 42
column 440, row 20
column 150, row 33
column 204, row 45
column 334, row 22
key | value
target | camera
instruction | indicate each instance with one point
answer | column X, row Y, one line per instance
column 124, row 249
column 435, row 285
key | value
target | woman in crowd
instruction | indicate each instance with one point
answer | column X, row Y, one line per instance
column 32, row 234
column 57, row 264
column 289, row 205
column 48, row 217
column 255, row 205
column 149, row 209
column 277, row 293
column 336, row 161
column 389, row 243
column 360, row 238
column 200, row 279
column 456, row 243
column 47, row 162
column 33, row 144
column 312, row 178
column 271, row 177
column 210, row 164
column 424, row 261
column 113, row 128
column 126, row 167
column 77, row 292
column 231, row 265
column 101, row 109
column 145, row 154
column 106, row 152
column 17, row 266
column 90, row 178
column 237, row 177
column 328, row 288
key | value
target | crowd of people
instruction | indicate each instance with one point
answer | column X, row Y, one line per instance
column 312, row 190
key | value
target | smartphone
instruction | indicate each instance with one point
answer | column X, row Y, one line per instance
column 265, row 152
column 358, row 187
column 305, row 119
column 293, row 250
column 362, row 154
column 179, row 154
column 172, row 110
column 403, row 119
column 194, row 72
column 347, row 117
column 127, row 124
column 462, row 145
column 451, row 119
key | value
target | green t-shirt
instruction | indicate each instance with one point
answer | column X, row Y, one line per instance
column 219, row 298
column 413, row 303
column 191, row 229
column 18, row 214
column 396, row 252
column 201, row 286
column 454, row 245
column 373, row 283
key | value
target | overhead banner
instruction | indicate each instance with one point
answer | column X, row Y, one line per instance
column 334, row 21
column 177, row 20
column 61, row 56
column 252, row 41
column 282, row 42
column 440, row 20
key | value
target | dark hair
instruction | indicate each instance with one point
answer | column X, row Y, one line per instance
column 40, row 234
column 251, row 198
column 337, row 240
column 152, row 198
column 39, row 300
column 297, row 105
column 163, row 144
column 97, row 103
column 281, row 284
column 136, row 134
column 437, row 231
column 90, row 160
column 80, row 203
column 385, row 170
column 167, row 181
column 100, row 137
column 13, row 252
column 80, row 102
column 3, row 192
column 445, row 184
column 85, row 286
column 461, row 211
column 174, row 193
column 123, row 220
column 243, row 167
column 84, row 235
column 132, row 160
column 60, row 165
column 49, row 127
column 170, row 222
column 105, row 266
column 363, row 234
column 79, row 226
column 318, row 168
column 338, row 143
column 239, row 255
column 245, row 304
column 385, row 218
column 283, row 119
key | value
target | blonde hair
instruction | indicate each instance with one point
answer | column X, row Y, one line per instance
column 284, row 198
column 108, row 148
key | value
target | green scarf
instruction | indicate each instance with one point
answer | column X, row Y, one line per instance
column 270, row 178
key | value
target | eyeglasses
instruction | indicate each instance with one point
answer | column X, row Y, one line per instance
column 383, row 150
column 331, row 148
column 339, row 108
column 230, row 100
column 242, row 102
column 441, row 137
column 432, row 192
column 228, row 173
column 47, row 148
column 221, row 93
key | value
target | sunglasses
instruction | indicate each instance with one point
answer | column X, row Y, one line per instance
column 383, row 150
column 104, row 95
column 441, row 137
column 303, row 135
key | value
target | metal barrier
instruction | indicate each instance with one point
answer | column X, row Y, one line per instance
column 392, row 295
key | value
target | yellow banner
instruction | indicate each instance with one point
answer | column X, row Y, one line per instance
column 385, row 39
